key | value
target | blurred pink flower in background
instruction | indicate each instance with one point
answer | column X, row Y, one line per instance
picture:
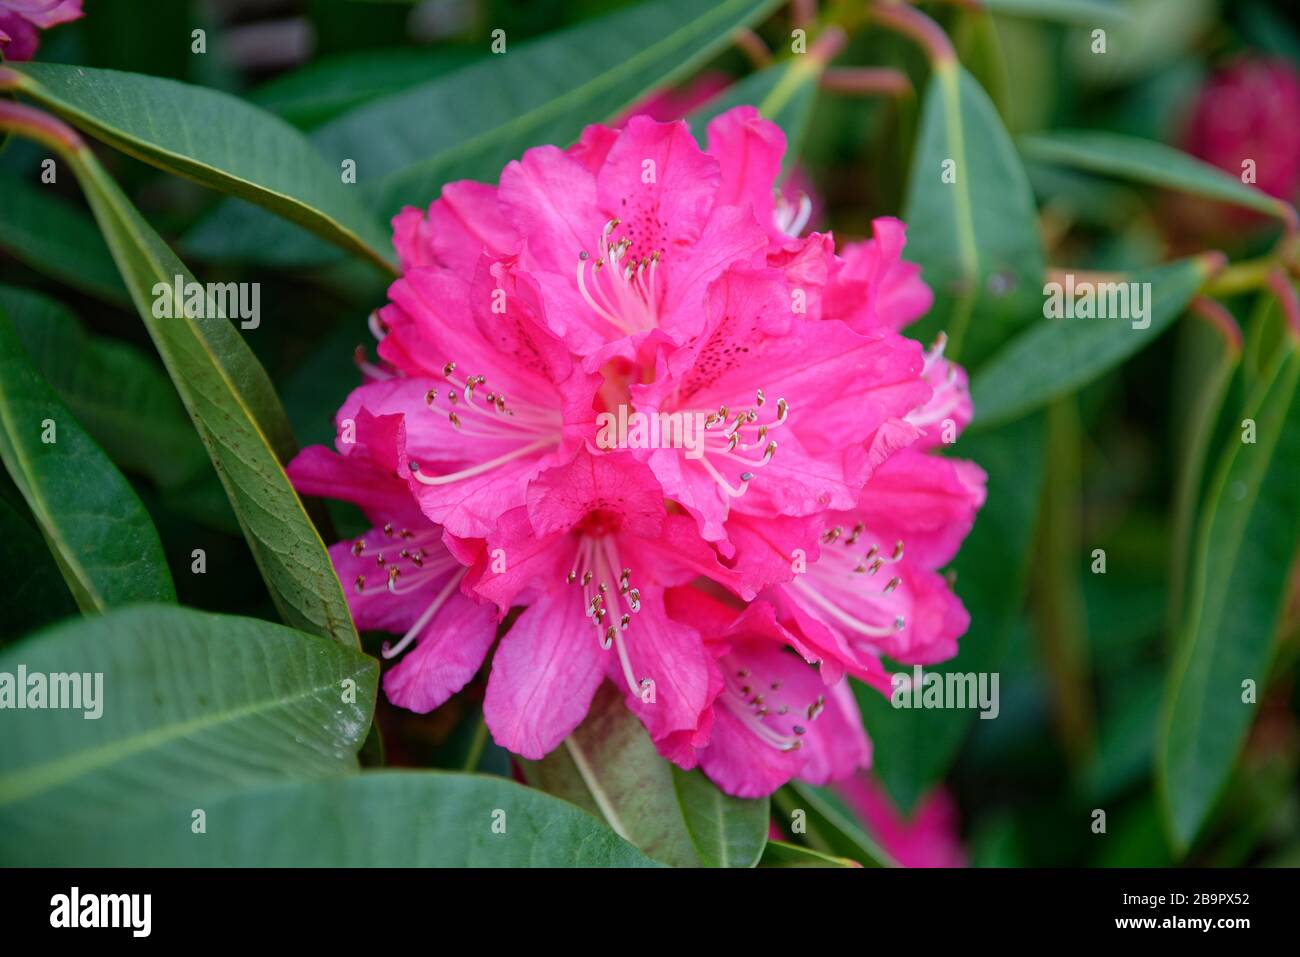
column 22, row 20
column 928, row 838
column 1248, row 111
column 1242, row 121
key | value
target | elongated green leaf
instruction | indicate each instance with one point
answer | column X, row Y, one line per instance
column 329, row 87
column 830, row 829
column 1245, row 557
column 971, row 219
column 215, row 139
column 727, row 831
column 1210, row 371
column 1057, row 356
column 1114, row 154
column 373, row 819
column 100, row 534
column 781, row 854
column 913, row 749
column 42, row 231
column 35, row 594
column 188, row 704
column 239, row 418
column 1091, row 13
column 609, row 768
column 470, row 123
column 121, row 397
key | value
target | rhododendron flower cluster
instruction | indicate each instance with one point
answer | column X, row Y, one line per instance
column 730, row 589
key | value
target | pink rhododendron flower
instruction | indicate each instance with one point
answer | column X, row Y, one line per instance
column 22, row 20
column 1246, row 112
column 928, row 838
column 622, row 391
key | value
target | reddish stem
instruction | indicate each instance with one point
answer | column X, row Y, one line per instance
column 916, row 25
column 1213, row 312
column 39, row 126
column 867, row 81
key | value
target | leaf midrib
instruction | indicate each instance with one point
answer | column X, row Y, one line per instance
column 19, row 785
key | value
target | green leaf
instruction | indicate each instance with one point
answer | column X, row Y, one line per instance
column 321, row 90
column 99, row 533
column 913, row 749
column 1054, row 357
column 1088, row 13
column 240, row 420
column 830, row 828
column 189, row 704
column 781, row 854
column 727, row 831
column 1144, row 161
column 52, row 237
column 976, row 239
column 215, row 139
column 470, row 123
column 121, row 396
column 373, row 819
column 1245, row 556
column 609, row 768
column 35, row 594
column 1210, row 365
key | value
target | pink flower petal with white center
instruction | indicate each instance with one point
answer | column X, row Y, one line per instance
column 461, row 467
column 783, row 403
column 776, row 719
column 873, row 600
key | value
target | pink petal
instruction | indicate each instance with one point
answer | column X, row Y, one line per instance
column 659, row 184
column 749, row 151
column 449, row 652
column 544, row 674
column 623, row 491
